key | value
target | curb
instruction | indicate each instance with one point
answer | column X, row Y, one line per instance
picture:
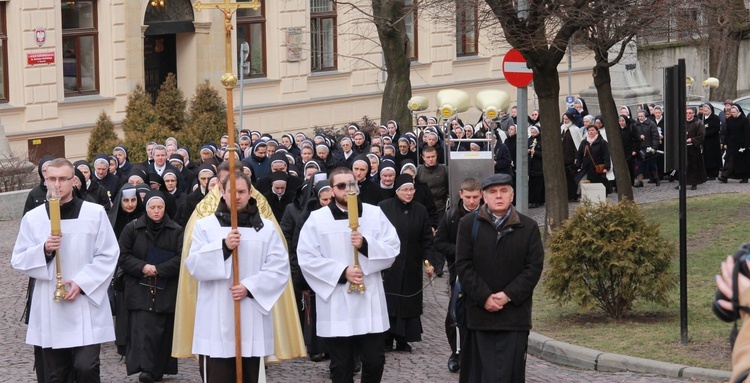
column 585, row 358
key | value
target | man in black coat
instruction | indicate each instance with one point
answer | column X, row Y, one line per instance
column 445, row 246
column 498, row 272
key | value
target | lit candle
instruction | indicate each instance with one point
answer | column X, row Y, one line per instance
column 351, row 205
column 54, row 215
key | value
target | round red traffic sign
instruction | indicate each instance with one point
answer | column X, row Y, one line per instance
column 515, row 70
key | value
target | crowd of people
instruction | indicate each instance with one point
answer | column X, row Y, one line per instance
column 135, row 220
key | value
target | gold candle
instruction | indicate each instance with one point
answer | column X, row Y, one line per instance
column 54, row 215
column 351, row 205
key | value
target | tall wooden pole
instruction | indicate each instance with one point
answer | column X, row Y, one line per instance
column 229, row 80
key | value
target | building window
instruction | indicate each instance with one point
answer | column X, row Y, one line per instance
column 4, row 53
column 467, row 29
column 411, row 28
column 80, row 47
column 251, row 28
column 323, row 35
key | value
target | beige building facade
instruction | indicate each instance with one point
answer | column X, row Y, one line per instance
column 312, row 63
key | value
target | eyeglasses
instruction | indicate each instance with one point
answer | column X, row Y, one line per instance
column 340, row 186
column 53, row 180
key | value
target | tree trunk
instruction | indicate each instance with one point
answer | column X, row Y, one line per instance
column 547, row 88
column 389, row 21
column 729, row 25
column 603, row 83
column 726, row 66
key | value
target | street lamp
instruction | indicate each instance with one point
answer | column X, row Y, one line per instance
column 245, row 67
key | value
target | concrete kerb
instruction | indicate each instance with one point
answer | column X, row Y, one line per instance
column 586, row 358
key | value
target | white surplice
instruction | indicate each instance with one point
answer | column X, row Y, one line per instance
column 325, row 250
column 88, row 256
column 264, row 271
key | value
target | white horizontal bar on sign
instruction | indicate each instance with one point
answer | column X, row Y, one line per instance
column 516, row 67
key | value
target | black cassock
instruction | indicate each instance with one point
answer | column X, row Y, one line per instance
column 403, row 280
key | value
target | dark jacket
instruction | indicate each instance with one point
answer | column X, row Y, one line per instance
column 445, row 237
column 630, row 142
column 436, row 178
column 508, row 260
column 135, row 242
column 599, row 151
column 503, row 160
column 650, row 134
column 404, row 277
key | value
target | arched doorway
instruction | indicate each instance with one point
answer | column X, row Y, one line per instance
column 165, row 19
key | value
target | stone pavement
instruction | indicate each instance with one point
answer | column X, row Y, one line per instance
column 427, row 362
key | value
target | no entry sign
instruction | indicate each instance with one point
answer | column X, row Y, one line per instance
column 515, row 70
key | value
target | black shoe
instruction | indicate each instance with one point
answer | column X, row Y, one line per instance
column 658, row 183
column 357, row 365
column 403, row 346
column 533, row 205
column 694, row 187
column 638, row 184
column 146, row 377
column 439, row 274
column 712, row 178
column 743, row 181
column 677, row 187
column 722, row 179
column 316, row 357
column 453, row 365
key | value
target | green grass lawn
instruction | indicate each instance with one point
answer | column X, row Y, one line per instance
column 717, row 225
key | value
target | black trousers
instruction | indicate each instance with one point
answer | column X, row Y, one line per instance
column 494, row 357
column 453, row 332
column 343, row 351
column 83, row 361
column 223, row 370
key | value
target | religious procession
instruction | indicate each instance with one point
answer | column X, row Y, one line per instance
column 324, row 260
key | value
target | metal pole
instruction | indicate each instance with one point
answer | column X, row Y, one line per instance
column 682, row 169
column 522, row 157
column 570, row 71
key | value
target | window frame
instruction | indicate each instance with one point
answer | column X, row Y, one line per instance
column 318, row 18
column 248, row 22
column 461, row 30
column 4, row 42
column 78, row 33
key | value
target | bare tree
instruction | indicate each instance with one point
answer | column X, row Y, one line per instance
column 542, row 32
column 622, row 20
column 716, row 27
column 389, row 21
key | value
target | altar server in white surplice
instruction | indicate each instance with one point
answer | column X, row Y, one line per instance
column 351, row 323
column 69, row 331
column 263, row 275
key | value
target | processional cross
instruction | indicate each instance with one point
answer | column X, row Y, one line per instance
column 229, row 80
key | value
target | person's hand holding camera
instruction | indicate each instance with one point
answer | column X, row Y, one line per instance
column 724, row 282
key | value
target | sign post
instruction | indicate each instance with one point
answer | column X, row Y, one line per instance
column 520, row 76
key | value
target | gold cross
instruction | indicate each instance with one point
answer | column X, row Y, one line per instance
column 227, row 6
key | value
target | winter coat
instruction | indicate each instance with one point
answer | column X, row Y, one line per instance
column 650, row 134
column 445, row 238
column 135, row 241
column 503, row 160
column 599, row 150
column 508, row 260
column 404, row 277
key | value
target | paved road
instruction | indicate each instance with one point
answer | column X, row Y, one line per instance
column 425, row 364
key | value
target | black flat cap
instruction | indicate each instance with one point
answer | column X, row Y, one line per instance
column 497, row 179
